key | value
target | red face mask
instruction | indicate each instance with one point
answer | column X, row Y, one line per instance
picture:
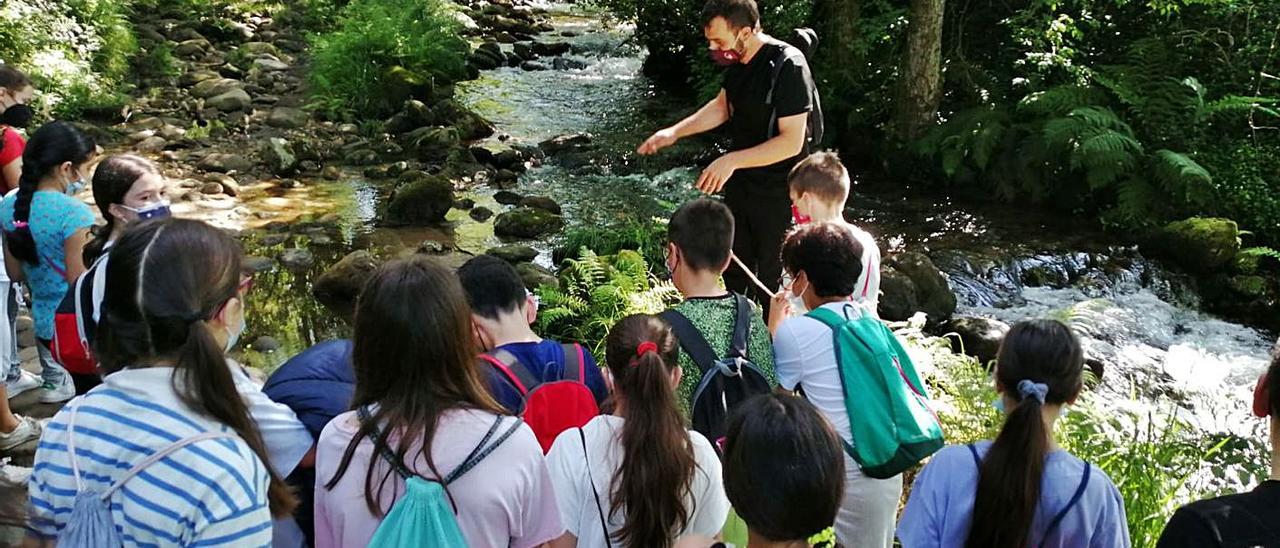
column 1261, row 399
column 725, row 57
column 797, row 218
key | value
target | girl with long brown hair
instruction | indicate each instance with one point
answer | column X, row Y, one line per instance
column 1022, row 489
column 174, row 303
column 420, row 409
column 638, row 477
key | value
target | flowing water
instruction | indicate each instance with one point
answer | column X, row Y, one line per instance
column 1138, row 320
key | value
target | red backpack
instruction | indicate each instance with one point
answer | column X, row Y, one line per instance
column 74, row 324
column 550, row 407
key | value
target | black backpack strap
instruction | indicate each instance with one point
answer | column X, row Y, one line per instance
column 599, row 509
column 977, row 460
column 483, row 449
column 691, row 340
column 388, row 455
column 574, row 363
column 1057, row 520
column 741, row 328
column 510, row 367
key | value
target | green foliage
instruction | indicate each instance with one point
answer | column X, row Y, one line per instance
column 649, row 238
column 381, row 50
column 595, row 292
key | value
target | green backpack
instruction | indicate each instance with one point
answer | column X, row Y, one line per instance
column 893, row 424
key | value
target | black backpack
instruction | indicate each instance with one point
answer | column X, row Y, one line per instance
column 725, row 382
column 805, row 41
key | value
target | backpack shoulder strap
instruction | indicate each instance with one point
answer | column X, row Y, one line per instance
column 385, row 450
column 1057, row 520
column 161, row 454
column 741, row 328
column 977, row 460
column 691, row 339
column 575, row 363
column 510, row 367
column 482, row 450
column 827, row 317
column 599, row 509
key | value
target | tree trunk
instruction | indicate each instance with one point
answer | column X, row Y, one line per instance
column 837, row 25
column 920, row 74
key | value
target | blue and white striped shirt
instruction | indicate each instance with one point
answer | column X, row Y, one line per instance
column 209, row 493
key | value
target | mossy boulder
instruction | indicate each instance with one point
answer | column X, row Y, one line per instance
column 420, row 200
column 514, row 254
column 338, row 287
column 931, row 290
column 1200, row 244
column 535, row 276
column 527, row 222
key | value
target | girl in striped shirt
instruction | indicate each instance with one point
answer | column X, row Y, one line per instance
column 174, row 302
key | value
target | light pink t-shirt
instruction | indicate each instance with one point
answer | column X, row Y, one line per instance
column 506, row 500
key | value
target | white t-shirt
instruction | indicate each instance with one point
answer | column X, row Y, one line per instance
column 804, row 355
column 603, row 434
column 868, row 289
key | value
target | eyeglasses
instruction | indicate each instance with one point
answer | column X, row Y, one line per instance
column 246, row 283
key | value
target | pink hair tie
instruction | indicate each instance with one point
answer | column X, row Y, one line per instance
column 646, row 347
column 20, row 224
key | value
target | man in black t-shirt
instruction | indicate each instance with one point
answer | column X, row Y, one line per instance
column 767, row 98
column 1248, row 519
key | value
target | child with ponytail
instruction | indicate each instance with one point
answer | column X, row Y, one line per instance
column 637, row 477
column 1028, row 491
column 45, row 230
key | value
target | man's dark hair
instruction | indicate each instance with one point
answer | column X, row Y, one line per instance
column 738, row 13
column 783, row 467
column 821, row 174
column 703, row 230
column 492, row 285
column 828, row 254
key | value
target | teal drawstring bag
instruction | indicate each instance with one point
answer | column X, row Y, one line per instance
column 426, row 514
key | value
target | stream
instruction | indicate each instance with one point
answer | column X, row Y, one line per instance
column 1137, row 319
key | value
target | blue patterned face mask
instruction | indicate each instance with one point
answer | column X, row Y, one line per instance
column 75, row 187
column 999, row 404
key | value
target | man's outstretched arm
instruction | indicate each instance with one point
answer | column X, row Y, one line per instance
column 707, row 118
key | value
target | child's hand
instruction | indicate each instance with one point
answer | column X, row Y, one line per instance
column 779, row 310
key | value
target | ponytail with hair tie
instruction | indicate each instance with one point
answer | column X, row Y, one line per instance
column 645, row 348
column 1031, row 389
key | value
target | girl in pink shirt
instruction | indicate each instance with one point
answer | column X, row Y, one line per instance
column 416, row 379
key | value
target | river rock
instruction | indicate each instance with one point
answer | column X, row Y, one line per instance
column 481, row 214
column 471, row 126
column 567, row 63
column 422, row 200
column 214, row 87
column 433, row 143
column 565, row 143
column 432, row 247
column 265, row 344
column 527, row 222
column 223, row 163
column 297, row 259
column 508, row 159
column 278, row 154
column 930, row 287
column 483, row 60
column 339, row 285
column 514, row 254
column 506, row 197
column 192, row 48
column 533, row 66
column 400, row 84
column 268, row 63
column 1199, row 244
column 258, row 264
column 524, row 50
column 977, row 336
column 541, row 202
column 332, row 173
column 535, row 276
column 154, row 143
column 231, row 101
column 506, row 38
column 287, row 118
column 551, row 49
column 253, row 49
column 195, row 77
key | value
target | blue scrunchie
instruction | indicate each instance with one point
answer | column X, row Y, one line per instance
column 1030, row 389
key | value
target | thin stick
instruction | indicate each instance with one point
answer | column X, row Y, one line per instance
column 750, row 274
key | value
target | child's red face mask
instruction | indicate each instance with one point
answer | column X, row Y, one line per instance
column 797, row 218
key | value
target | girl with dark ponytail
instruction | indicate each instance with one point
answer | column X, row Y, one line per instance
column 126, row 189
column 174, row 302
column 45, row 229
column 1020, row 490
column 638, row 477
column 15, row 91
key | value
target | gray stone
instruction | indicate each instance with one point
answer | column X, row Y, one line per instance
column 535, row 276
column 541, row 202
column 566, row 63
column 287, row 118
column 211, row 189
column 259, row 48
column 231, row 101
column 566, row 143
column 332, row 173
column 433, row 143
column 533, row 66
column 527, row 222
column 339, row 285
column 265, row 344
column 270, row 64
column 215, row 86
column 513, row 253
column 506, row 197
column 278, row 154
column 551, row 49
column 481, row 214
column 223, row 163
column 195, row 77
column 258, row 264
column 192, row 48
column 977, row 336
column 931, row 289
column 151, row 144
column 297, row 259
column 420, row 201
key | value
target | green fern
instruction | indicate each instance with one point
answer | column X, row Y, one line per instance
column 1060, row 100
column 1182, row 177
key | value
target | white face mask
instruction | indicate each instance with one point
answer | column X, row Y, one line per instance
column 797, row 301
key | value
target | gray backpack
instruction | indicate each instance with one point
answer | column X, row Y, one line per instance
column 90, row 524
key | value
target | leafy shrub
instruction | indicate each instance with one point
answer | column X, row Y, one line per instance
column 381, row 49
column 595, row 292
column 647, row 238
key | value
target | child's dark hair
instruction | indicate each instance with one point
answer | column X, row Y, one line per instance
column 13, row 79
column 414, row 359
column 50, row 146
column 821, row 174
column 167, row 280
column 703, row 230
column 492, row 285
column 738, row 13
column 828, row 254
column 1043, row 352
column 657, row 463
column 783, row 467
column 112, row 179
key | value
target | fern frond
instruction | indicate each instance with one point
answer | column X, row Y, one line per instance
column 1179, row 175
column 1060, row 100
